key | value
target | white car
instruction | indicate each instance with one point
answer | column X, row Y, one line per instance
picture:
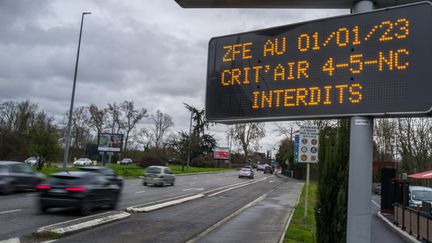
column 83, row 162
column 31, row 161
column 246, row 172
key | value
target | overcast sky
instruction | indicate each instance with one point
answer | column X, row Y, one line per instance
column 152, row 52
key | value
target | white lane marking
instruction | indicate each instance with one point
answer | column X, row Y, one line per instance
column 11, row 211
column 11, row 240
column 195, row 189
column 376, row 204
column 271, row 181
column 139, row 191
column 242, row 185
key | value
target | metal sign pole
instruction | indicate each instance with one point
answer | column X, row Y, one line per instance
column 307, row 188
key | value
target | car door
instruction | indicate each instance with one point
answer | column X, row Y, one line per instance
column 23, row 176
column 169, row 175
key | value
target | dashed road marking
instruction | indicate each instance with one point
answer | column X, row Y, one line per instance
column 376, row 204
column 139, row 191
column 11, row 211
column 195, row 189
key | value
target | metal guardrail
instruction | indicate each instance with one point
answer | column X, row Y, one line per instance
column 414, row 222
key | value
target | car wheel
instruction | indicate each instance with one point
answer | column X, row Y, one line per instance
column 7, row 189
column 239, row 177
column 43, row 209
column 172, row 183
column 163, row 184
column 86, row 207
column 113, row 203
column 144, row 183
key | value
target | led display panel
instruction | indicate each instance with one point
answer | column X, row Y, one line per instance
column 376, row 63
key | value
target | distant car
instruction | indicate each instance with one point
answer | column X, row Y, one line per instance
column 377, row 189
column 417, row 194
column 246, row 172
column 158, row 175
column 260, row 167
column 32, row 161
column 82, row 190
column 268, row 169
column 107, row 172
column 82, row 162
column 126, row 161
column 16, row 176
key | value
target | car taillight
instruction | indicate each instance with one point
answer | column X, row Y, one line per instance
column 76, row 189
column 43, row 187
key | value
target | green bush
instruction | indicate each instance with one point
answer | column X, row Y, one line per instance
column 127, row 170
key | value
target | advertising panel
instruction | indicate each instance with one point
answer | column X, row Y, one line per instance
column 110, row 142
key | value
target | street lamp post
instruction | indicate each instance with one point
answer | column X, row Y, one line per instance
column 68, row 134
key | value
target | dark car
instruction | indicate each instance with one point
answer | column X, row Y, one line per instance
column 268, row 169
column 78, row 189
column 16, row 176
column 107, row 172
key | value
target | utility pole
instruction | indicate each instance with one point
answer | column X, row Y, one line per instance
column 68, row 133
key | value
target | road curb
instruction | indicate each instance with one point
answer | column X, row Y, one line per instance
column 151, row 207
column 287, row 223
column 201, row 173
column 407, row 237
column 79, row 224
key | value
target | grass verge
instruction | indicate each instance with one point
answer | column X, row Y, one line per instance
column 303, row 229
column 134, row 171
column 177, row 169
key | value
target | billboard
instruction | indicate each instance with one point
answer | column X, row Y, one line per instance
column 221, row 153
column 110, row 142
column 371, row 64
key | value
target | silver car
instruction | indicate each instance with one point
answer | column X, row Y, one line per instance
column 158, row 175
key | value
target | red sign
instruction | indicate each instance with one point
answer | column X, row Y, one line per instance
column 221, row 153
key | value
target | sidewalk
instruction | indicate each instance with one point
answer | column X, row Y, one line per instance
column 263, row 222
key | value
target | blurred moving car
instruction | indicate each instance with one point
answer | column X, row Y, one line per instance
column 158, row 175
column 32, row 161
column 17, row 176
column 417, row 194
column 260, row 167
column 78, row 189
column 82, row 162
column 268, row 169
column 107, row 172
column 126, row 161
column 246, row 172
column 377, row 189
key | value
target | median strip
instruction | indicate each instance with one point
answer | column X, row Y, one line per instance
column 147, row 208
column 82, row 223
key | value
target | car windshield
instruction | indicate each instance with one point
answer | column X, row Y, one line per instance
column 64, row 180
column 82, row 159
column 422, row 195
column 245, row 169
column 153, row 170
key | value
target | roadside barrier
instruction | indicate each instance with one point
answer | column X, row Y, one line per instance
column 415, row 222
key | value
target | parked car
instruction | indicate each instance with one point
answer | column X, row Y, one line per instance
column 260, row 167
column 32, row 161
column 82, row 190
column 158, row 175
column 246, row 172
column 417, row 194
column 126, row 161
column 377, row 189
column 82, row 162
column 268, row 169
column 107, row 172
column 16, row 176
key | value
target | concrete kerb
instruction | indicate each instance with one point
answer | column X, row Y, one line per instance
column 407, row 237
column 79, row 224
column 158, row 205
column 287, row 223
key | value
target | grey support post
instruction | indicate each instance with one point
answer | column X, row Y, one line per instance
column 360, row 168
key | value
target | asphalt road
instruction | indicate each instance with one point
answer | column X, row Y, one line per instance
column 19, row 214
column 181, row 222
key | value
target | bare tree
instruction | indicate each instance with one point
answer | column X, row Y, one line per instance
column 97, row 118
column 115, row 113
column 248, row 134
column 131, row 117
column 161, row 124
column 385, row 138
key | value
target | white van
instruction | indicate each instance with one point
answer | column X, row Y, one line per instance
column 417, row 194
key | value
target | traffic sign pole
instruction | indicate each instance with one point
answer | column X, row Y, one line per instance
column 307, row 188
column 360, row 168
